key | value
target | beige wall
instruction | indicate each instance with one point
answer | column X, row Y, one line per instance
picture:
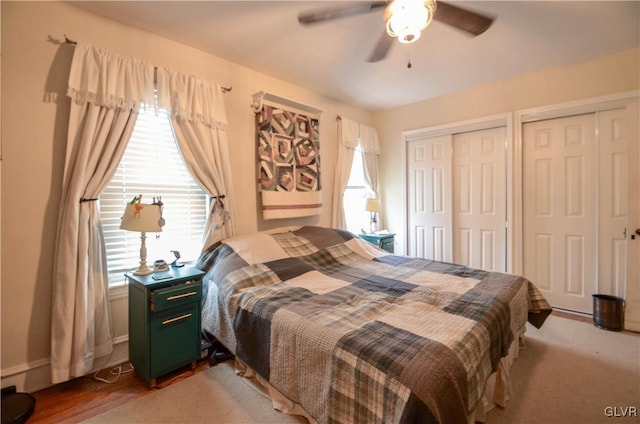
column 34, row 119
column 617, row 73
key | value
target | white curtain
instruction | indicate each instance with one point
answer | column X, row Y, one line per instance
column 371, row 150
column 351, row 135
column 200, row 125
column 348, row 136
column 106, row 91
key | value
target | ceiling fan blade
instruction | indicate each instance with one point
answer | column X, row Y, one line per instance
column 381, row 49
column 466, row 20
column 321, row 15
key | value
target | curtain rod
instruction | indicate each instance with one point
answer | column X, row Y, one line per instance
column 69, row 41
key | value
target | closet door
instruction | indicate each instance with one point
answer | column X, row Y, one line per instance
column 619, row 208
column 479, row 199
column 632, row 315
column 559, row 199
column 576, row 206
column 457, row 198
column 613, row 207
column 429, row 198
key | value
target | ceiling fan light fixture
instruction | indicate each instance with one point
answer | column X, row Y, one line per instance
column 405, row 19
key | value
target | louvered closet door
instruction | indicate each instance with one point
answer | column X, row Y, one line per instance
column 559, row 200
column 479, row 199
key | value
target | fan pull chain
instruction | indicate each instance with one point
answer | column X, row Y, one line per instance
column 409, row 57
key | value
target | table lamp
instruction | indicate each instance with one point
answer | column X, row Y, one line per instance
column 143, row 218
column 372, row 206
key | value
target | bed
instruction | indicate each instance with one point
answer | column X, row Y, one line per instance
column 340, row 331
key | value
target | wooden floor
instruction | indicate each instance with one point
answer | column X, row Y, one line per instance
column 85, row 397
column 82, row 398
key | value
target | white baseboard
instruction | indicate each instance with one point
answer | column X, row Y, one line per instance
column 36, row 375
column 570, row 312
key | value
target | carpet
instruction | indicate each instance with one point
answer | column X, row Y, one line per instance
column 572, row 372
column 568, row 372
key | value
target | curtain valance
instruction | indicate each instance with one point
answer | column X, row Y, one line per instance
column 369, row 139
column 191, row 98
column 349, row 133
column 118, row 82
column 352, row 134
column 109, row 80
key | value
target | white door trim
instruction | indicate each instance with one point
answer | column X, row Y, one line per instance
column 483, row 123
column 592, row 105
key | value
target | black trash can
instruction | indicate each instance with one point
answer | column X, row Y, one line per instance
column 16, row 407
column 608, row 312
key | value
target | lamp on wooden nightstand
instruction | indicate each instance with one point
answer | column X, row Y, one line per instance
column 143, row 218
column 372, row 206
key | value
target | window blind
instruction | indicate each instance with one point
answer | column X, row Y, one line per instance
column 152, row 166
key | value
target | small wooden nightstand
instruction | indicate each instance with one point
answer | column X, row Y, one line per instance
column 164, row 322
column 383, row 241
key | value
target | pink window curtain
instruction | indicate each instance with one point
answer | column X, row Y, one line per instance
column 348, row 136
column 106, row 91
column 200, row 125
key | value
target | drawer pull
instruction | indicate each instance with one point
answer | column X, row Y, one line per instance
column 169, row 321
column 179, row 296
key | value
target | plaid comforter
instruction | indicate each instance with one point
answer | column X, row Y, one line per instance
column 353, row 334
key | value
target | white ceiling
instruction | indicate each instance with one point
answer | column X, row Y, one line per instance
column 330, row 58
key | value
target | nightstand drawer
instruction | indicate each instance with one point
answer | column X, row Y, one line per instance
column 387, row 244
column 175, row 338
column 179, row 295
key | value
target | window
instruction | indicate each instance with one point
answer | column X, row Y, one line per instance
column 152, row 166
column 355, row 196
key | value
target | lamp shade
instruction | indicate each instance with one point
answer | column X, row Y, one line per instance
column 372, row 205
column 143, row 218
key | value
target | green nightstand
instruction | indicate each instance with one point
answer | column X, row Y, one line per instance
column 164, row 322
column 383, row 241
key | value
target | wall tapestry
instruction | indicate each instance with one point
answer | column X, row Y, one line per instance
column 288, row 163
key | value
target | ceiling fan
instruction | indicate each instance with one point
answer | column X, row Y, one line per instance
column 404, row 19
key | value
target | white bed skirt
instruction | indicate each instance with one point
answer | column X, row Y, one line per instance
column 497, row 389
